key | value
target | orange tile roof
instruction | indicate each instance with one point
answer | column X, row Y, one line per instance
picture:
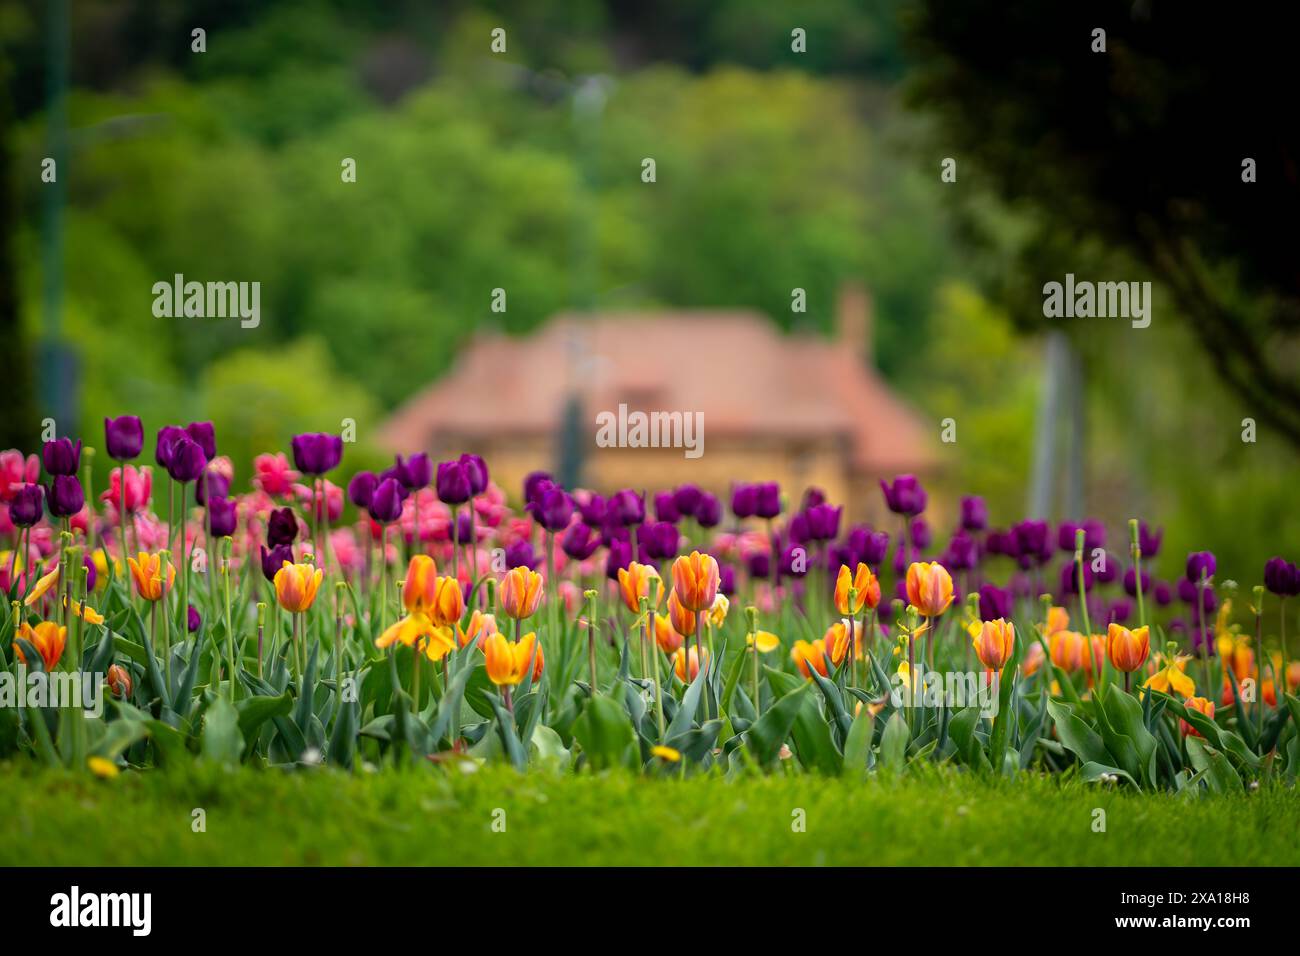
column 746, row 376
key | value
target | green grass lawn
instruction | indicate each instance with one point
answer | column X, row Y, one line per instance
column 446, row 817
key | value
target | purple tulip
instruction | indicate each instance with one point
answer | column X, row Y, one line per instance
column 1187, row 594
column 533, row 482
column 627, row 507
column 1030, row 540
column 362, row 487
column 794, row 562
column 1131, row 581
column 619, row 557
column 521, row 555
column 415, row 472
column 963, row 552
column 92, row 573
column 726, row 579
column 1070, row 577
column 1065, row 536
column 123, row 437
column 767, row 500
column 904, row 496
column 1119, row 612
column 798, row 530
column 687, row 499
column 316, row 453
column 211, row 484
column 1000, row 542
column 812, row 497
column 759, row 564
column 592, row 508
column 65, row 496
column 281, row 527
column 222, row 517
column 995, row 602
column 974, row 513
column 1281, row 577
column 476, row 471
column 744, row 501
column 579, row 541
column 1164, row 593
column 61, row 456
column 386, row 502
column 708, row 511
column 205, row 436
column 869, row 547
column 554, row 509
column 193, row 620
column 168, row 435
column 661, row 540
column 919, row 533
column 666, row 506
column 1109, row 568
column 452, row 483
column 1148, row 540
column 27, row 506
column 1200, row 564
column 274, row 559
column 187, row 460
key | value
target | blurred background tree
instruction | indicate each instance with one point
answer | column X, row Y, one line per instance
column 775, row 170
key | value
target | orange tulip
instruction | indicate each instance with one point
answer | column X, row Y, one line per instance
column 521, row 593
column 680, row 663
column 448, row 603
column 1067, row 649
column 49, row 640
column 1200, row 704
column 119, row 680
column 147, row 571
column 43, row 585
column 479, row 627
column 420, row 589
column 296, row 586
column 695, row 579
column 868, row 589
column 637, row 581
column 995, row 643
column 836, row 641
column 683, row 621
column 1127, row 649
column 1034, row 658
column 929, row 587
column 1058, row 619
column 807, row 655
column 508, row 661
column 666, row 636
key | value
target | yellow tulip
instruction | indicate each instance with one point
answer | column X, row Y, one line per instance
column 43, row 586
column 765, row 641
column 1171, row 677
column 508, row 661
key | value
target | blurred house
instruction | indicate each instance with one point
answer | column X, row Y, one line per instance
column 796, row 408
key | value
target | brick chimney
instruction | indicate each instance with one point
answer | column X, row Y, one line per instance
column 853, row 329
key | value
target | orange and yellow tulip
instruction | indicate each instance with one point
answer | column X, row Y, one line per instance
column 43, row 586
column 683, row 621
column 695, row 579
column 1069, row 650
column 1127, row 650
column 995, row 643
column 929, row 587
column 448, row 603
column 477, row 630
column 667, row 636
column 1058, row 619
column 148, row 571
column 420, row 589
column 296, row 586
column 810, row 654
column 49, row 640
column 682, row 659
column 508, row 661
column 638, row 581
column 521, row 593
column 866, row 585
column 1206, row 707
